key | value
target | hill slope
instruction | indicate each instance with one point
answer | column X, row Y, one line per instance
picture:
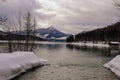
column 50, row 33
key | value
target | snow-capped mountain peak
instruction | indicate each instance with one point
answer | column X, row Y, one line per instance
column 48, row 33
column 51, row 28
column 52, row 31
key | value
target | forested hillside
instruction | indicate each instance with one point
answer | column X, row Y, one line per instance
column 109, row 33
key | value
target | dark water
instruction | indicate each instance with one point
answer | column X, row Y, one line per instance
column 70, row 62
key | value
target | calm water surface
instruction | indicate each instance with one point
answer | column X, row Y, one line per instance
column 68, row 62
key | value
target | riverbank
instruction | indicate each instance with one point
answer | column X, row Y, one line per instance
column 114, row 65
column 13, row 64
column 90, row 44
column 71, row 63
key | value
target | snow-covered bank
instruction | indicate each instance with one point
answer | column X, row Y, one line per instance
column 13, row 64
column 114, row 65
column 90, row 44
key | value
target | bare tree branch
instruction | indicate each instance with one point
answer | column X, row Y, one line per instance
column 117, row 3
column 3, row 19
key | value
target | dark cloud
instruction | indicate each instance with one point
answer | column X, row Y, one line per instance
column 69, row 16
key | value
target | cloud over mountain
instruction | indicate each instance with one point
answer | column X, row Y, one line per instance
column 69, row 16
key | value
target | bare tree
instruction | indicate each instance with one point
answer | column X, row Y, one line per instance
column 34, row 34
column 6, row 27
column 30, row 25
column 117, row 3
column 3, row 19
column 27, row 24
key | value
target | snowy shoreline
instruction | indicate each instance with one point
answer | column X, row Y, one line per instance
column 114, row 65
column 13, row 64
column 90, row 44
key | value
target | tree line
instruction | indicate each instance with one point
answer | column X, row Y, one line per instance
column 107, row 34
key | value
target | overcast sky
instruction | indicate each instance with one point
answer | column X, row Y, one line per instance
column 70, row 16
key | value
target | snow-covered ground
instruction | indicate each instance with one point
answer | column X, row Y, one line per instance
column 13, row 64
column 90, row 44
column 61, row 38
column 114, row 65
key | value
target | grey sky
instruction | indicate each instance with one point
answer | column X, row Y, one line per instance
column 71, row 16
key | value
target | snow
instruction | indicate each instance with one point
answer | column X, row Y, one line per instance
column 62, row 38
column 114, row 65
column 13, row 64
column 115, row 42
column 90, row 44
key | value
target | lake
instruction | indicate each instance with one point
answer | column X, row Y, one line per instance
column 68, row 62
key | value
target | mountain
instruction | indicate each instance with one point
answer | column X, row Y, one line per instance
column 50, row 33
column 14, row 36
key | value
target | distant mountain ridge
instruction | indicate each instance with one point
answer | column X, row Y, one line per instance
column 13, row 36
column 50, row 33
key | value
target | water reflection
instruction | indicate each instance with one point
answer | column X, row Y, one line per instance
column 50, row 46
column 71, row 62
column 103, row 52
